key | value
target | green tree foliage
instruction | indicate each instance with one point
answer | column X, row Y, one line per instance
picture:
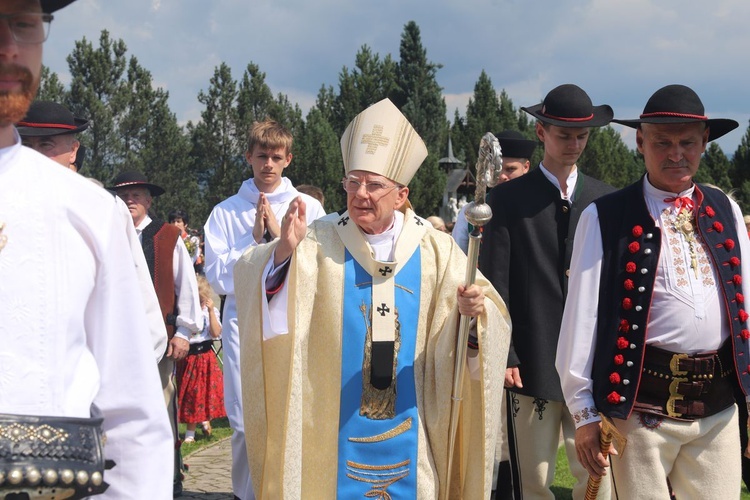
column 739, row 173
column 318, row 160
column 51, row 88
column 98, row 94
column 370, row 81
column 608, row 159
column 420, row 99
column 715, row 168
column 217, row 142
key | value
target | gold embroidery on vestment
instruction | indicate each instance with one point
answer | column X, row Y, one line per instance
column 379, row 481
column 399, row 429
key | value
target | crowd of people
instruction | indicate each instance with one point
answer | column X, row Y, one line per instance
column 595, row 316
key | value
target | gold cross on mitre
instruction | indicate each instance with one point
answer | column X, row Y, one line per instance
column 375, row 139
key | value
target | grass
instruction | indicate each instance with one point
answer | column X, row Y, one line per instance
column 221, row 430
column 564, row 480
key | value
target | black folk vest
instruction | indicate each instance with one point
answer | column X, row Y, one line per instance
column 632, row 244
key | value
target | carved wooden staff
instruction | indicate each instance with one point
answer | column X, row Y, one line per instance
column 478, row 213
column 608, row 434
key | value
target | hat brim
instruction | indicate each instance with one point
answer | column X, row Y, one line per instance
column 717, row 127
column 54, row 5
column 27, row 131
column 601, row 116
column 152, row 188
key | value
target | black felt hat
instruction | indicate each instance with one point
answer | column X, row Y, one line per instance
column 133, row 178
column 513, row 144
column 569, row 106
column 680, row 104
column 46, row 118
column 53, row 5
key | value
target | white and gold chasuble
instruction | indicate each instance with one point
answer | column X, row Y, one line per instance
column 305, row 395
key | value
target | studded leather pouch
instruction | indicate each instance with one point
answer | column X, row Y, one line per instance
column 51, row 457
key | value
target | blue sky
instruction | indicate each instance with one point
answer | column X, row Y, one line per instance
column 619, row 51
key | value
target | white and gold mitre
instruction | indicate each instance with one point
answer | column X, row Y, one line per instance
column 381, row 140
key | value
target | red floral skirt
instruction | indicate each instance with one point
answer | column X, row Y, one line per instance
column 200, row 389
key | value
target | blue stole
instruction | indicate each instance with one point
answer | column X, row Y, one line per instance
column 378, row 458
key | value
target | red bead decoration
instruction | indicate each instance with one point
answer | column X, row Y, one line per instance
column 739, row 298
column 619, row 359
column 745, row 333
column 622, row 343
column 630, row 267
column 734, row 261
column 613, row 397
column 729, row 244
column 615, row 378
column 624, row 326
column 737, row 279
column 629, row 285
column 718, row 226
column 637, row 231
column 634, row 247
column 627, row 304
column 742, row 315
column 710, row 211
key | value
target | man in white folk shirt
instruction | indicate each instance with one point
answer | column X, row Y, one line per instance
column 50, row 128
column 74, row 328
column 175, row 284
column 654, row 334
column 242, row 221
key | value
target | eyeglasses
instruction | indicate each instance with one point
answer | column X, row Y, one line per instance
column 29, row 27
column 351, row 186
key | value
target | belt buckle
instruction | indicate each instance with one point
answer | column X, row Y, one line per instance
column 674, row 395
column 674, row 364
column 671, row 402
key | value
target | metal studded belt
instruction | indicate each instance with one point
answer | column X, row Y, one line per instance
column 51, row 457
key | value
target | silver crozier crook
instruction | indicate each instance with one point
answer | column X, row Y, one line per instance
column 478, row 213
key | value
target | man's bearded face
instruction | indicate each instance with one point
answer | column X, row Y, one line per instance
column 15, row 103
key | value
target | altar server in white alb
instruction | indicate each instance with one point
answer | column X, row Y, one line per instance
column 348, row 369
column 242, row 221
column 73, row 329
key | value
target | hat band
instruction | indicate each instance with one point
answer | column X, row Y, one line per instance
column 676, row 115
column 584, row 119
column 46, row 125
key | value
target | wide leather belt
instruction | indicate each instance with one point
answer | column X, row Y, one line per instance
column 200, row 347
column 685, row 387
column 51, row 457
